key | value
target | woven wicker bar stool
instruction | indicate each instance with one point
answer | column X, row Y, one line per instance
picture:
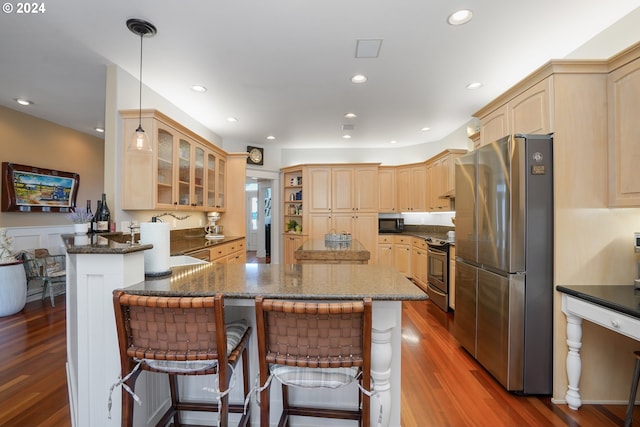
column 180, row 336
column 314, row 345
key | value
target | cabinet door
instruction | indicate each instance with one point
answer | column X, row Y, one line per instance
column 494, row 126
column 221, row 184
column 403, row 185
column 343, row 223
column 432, row 186
column 365, row 229
column 402, row 258
column 366, row 189
column 624, row 135
column 385, row 254
column 185, row 177
column 415, row 266
column 319, row 189
column 342, row 189
column 529, row 111
column 387, row 190
column 318, row 226
column 165, row 193
column 198, row 178
column 212, row 182
column 419, row 188
column 291, row 243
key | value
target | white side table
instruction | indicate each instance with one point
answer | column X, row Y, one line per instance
column 13, row 288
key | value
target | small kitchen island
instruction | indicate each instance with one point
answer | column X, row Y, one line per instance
column 317, row 251
column 93, row 361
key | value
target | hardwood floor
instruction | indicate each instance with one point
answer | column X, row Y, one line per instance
column 441, row 384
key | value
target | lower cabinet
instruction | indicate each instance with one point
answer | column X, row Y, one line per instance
column 232, row 253
column 402, row 254
column 419, row 261
column 291, row 243
column 385, row 250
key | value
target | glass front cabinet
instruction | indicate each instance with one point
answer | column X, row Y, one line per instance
column 184, row 171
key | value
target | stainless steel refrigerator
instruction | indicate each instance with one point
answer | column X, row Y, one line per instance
column 504, row 260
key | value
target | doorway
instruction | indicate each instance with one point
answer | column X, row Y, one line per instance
column 261, row 216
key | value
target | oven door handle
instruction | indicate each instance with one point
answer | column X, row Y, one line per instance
column 436, row 290
column 436, row 252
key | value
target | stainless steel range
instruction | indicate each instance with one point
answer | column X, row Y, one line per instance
column 438, row 272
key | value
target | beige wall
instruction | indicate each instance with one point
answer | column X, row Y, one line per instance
column 27, row 140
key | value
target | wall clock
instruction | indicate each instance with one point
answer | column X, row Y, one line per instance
column 256, row 155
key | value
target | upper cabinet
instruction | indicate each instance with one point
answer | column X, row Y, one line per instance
column 441, row 180
column 624, row 134
column 411, row 184
column 528, row 112
column 387, row 202
column 182, row 172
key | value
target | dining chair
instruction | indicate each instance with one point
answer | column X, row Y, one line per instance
column 314, row 345
column 180, row 336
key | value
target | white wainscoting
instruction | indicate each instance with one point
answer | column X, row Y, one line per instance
column 25, row 238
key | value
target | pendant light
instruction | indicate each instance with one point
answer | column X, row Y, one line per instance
column 140, row 140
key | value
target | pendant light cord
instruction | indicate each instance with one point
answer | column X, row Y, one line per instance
column 140, row 91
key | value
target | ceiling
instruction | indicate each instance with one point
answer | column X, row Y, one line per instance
column 283, row 67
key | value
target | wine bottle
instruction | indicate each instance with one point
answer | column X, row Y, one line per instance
column 103, row 216
column 90, row 214
column 95, row 217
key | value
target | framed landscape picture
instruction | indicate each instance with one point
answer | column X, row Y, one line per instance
column 33, row 189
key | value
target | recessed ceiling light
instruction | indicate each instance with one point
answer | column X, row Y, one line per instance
column 358, row 78
column 346, row 136
column 23, row 101
column 198, row 88
column 424, row 129
column 393, row 142
column 460, row 17
column 474, row 85
column 101, row 130
column 232, row 119
column 350, row 115
column 271, row 137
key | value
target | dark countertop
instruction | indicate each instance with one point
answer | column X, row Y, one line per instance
column 190, row 244
column 98, row 244
column 290, row 281
column 622, row 298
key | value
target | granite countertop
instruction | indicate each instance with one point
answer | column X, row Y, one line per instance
column 293, row 281
column 622, row 298
column 319, row 249
column 98, row 244
column 189, row 244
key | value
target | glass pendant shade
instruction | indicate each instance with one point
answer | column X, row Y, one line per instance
column 140, row 141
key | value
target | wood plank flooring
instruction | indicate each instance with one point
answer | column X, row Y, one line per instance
column 441, row 384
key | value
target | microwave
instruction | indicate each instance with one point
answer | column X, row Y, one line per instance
column 390, row 225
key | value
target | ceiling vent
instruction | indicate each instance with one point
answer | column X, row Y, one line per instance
column 347, row 127
column 368, row 48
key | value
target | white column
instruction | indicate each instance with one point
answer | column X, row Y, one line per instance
column 574, row 363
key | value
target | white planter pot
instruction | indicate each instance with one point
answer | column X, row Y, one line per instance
column 13, row 288
column 81, row 228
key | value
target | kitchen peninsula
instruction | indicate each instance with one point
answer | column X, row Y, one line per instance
column 94, row 270
column 318, row 251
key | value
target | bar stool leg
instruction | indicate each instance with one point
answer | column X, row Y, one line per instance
column 634, row 390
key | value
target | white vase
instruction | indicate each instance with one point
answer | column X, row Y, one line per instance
column 13, row 288
column 81, row 228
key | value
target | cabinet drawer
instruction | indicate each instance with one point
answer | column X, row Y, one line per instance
column 385, row 238
column 417, row 242
column 402, row 240
column 236, row 246
column 610, row 319
column 219, row 251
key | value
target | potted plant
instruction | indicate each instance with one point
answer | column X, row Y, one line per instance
column 291, row 225
column 81, row 219
column 13, row 281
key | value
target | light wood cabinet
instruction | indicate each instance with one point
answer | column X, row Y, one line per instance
column 529, row 111
column 175, row 175
column 293, row 198
column 419, row 261
column 412, row 187
column 362, row 227
column 354, row 189
column 402, row 254
column 319, row 189
column 387, row 189
column 624, row 135
column 441, row 180
column 229, row 253
column 215, row 168
column 385, row 250
column 291, row 244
